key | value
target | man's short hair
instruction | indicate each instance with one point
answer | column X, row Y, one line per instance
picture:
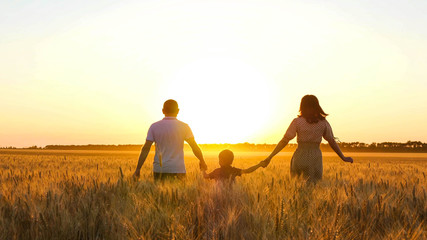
column 170, row 107
column 226, row 158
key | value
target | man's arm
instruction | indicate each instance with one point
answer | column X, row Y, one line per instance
column 142, row 157
column 197, row 152
column 251, row 169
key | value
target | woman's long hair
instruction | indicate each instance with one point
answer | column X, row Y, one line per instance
column 310, row 109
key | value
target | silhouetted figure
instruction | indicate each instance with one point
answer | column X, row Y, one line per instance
column 169, row 135
column 226, row 171
column 309, row 127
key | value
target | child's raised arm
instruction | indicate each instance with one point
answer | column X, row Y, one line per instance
column 251, row 169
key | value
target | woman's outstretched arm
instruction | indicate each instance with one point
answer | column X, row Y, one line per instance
column 338, row 151
column 289, row 135
column 282, row 144
column 328, row 135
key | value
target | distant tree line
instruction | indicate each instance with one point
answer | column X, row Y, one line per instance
column 410, row 146
column 124, row 147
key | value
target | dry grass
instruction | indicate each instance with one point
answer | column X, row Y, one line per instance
column 90, row 195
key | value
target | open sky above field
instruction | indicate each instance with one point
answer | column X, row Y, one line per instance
column 79, row 72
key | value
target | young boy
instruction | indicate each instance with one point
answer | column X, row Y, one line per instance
column 226, row 171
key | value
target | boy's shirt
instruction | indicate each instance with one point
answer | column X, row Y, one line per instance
column 224, row 173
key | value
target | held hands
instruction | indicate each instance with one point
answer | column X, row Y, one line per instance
column 265, row 163
column 348, row 159
column 203, row 166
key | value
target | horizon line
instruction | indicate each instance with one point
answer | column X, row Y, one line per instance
column 250, row 143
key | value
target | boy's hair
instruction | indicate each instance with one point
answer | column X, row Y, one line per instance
column 225, row 158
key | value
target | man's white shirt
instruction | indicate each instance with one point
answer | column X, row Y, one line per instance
column 169, row 135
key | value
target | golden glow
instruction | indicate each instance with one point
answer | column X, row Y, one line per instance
column 223, row 99
column 238, row 70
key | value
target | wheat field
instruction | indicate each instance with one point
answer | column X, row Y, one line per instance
column 91, row 195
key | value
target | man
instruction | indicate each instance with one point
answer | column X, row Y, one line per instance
column 169, row 135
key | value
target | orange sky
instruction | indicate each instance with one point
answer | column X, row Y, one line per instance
column 81, row 73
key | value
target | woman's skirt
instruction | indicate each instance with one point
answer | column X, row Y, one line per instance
column 307, row 161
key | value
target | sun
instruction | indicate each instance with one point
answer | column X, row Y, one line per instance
column 224, row 100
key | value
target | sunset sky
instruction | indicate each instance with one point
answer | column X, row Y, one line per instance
column 98, row 72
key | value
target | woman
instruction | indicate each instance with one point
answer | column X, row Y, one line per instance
column 309, row 127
